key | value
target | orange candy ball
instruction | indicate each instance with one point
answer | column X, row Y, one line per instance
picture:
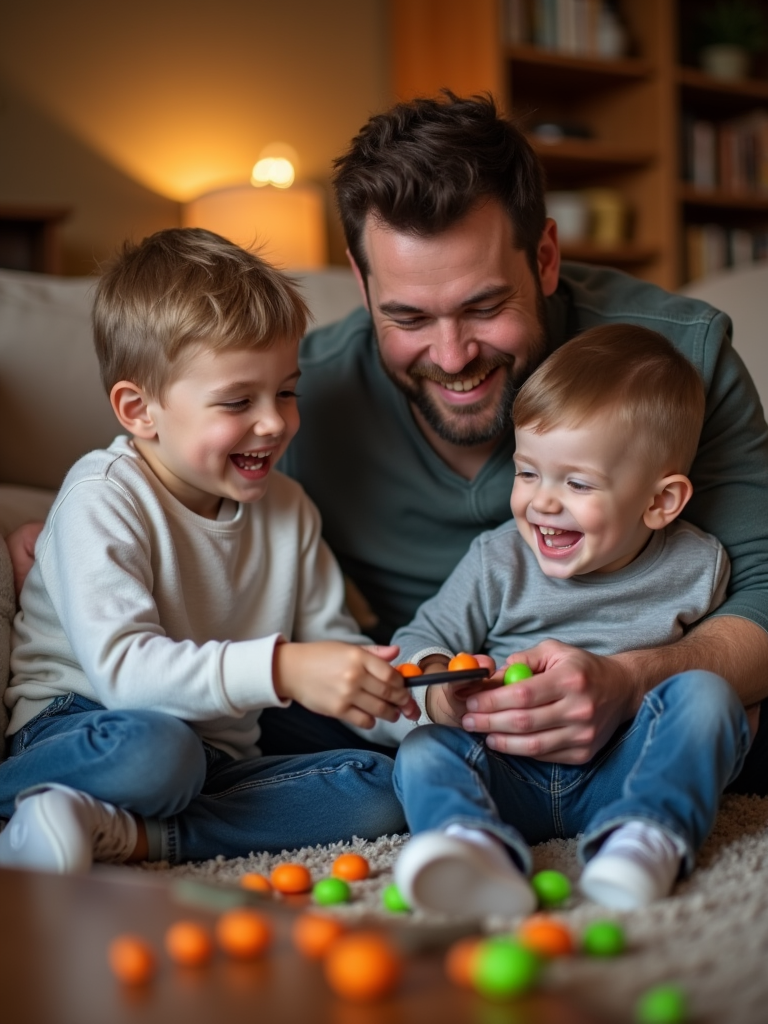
column 189, row 944
column 243, row 934
column 132, row 960
column 407, row 669
column 462, row 661
column 255, row 882
column 352, row 867
column 460, row 961
column 545, row 936
column 313, row 934
column 362, row 966
column 291, row 878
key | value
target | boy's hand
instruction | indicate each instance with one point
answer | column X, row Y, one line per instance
column 21, row 548
column 343, row 681
column 446, row 704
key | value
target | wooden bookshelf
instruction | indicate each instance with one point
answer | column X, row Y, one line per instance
column 632, row 110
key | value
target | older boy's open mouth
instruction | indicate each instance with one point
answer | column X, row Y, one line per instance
column 251, row 462
column 555, row 543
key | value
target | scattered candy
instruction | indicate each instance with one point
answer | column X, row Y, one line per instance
column 603, row 938
column 255, row 882
column 665, row 1004
column 331, row 890
column 393, row 900
column 407, row 669
column 460, row 961
column 362, row 966
column 243, row 934
column 503, row 968
column 314, row 934
column 132, row 960
column 552, row 888
column 545, row 936
column 189, row 944
column 351, row 866
column 516, row 672
column 462, row 661
column 291, row 878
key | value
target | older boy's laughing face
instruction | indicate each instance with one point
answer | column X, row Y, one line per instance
column 580, row 497
column 223, row 424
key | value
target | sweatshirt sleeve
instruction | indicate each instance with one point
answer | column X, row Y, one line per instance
column 97, row 576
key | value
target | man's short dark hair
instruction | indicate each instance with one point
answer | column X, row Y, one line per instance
column 423, row 165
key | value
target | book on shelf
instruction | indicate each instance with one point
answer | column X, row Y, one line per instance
column 730, row 155
column 586, row 28
column 713, row 247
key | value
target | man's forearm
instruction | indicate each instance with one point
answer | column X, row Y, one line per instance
column 734, row 648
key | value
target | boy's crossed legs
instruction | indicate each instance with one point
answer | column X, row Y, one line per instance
column 653, row 792
column 87, row 777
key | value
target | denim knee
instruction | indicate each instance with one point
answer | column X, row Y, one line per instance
column 163, row 764
column 706, row 698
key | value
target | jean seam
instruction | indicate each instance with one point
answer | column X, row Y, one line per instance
column 279, row 779
column 504, row 760
column 556, row 790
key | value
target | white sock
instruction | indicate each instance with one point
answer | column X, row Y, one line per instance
column 486, row 840
column 636, row 865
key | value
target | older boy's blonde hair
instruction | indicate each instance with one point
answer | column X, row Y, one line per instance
column 630, row 372
column 183, row 287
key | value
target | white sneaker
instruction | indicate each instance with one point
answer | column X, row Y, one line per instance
column 636, row 865
column 58, row 829
column 444, row 873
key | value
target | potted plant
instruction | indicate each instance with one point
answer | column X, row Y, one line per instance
column 731, row 31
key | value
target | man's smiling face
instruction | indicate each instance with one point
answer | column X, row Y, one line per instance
column 459, row 319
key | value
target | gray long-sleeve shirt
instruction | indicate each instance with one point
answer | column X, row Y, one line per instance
column 499, row 602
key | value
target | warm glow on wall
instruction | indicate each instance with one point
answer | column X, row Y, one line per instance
column 286, row 225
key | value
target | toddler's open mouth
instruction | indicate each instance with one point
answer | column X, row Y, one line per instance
column 251, row 462
column 555, row 543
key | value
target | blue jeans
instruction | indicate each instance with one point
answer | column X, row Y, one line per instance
column 667, row 767
column 157, row 767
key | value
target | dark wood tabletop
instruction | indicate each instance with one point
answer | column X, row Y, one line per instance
column 53, row 965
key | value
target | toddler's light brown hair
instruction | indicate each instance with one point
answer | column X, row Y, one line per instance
column 630, row 373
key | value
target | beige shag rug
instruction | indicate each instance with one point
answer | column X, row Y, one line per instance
column 710, row 936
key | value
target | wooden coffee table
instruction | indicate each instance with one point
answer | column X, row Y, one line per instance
column 53, row 967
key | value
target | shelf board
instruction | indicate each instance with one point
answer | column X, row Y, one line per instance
column 600, row 69
column 716, row 198
column 572, row 154
column 746, row 89
column 625, row 255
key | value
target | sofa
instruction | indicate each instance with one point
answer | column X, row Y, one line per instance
column 53, row 408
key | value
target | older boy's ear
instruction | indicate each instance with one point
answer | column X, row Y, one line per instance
column 130, row 405
column 672, row 495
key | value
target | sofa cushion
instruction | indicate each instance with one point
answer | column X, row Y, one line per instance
column 53, row 408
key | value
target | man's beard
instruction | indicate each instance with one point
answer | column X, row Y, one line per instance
column 466, row 425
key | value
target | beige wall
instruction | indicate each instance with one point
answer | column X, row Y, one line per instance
column 122, row 112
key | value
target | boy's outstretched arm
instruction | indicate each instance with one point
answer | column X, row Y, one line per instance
column 343, row 681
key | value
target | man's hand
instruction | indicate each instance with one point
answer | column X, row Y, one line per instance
column 565, row 713
column 21, row 548
column 352, row 683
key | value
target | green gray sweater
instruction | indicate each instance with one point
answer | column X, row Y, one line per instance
column 399, row 519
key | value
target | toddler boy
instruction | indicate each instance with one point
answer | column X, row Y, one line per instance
column 606, row 429
column 180, row 586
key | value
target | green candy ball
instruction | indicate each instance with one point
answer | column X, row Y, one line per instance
column 665, row 1004
column 330, row 890
column 504, row 968
column 516, row 672
column 603, row 938
column 393, row 900
column 552, row 888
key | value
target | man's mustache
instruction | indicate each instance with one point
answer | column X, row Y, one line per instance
column 477, row 368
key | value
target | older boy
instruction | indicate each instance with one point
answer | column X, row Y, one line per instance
column 605, row 431
column 180, row 586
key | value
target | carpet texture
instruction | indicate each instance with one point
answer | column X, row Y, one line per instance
column 710, row 936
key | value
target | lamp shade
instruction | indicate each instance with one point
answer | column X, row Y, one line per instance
column 286, row 225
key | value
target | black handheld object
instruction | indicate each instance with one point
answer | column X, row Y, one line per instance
column 464, row 675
